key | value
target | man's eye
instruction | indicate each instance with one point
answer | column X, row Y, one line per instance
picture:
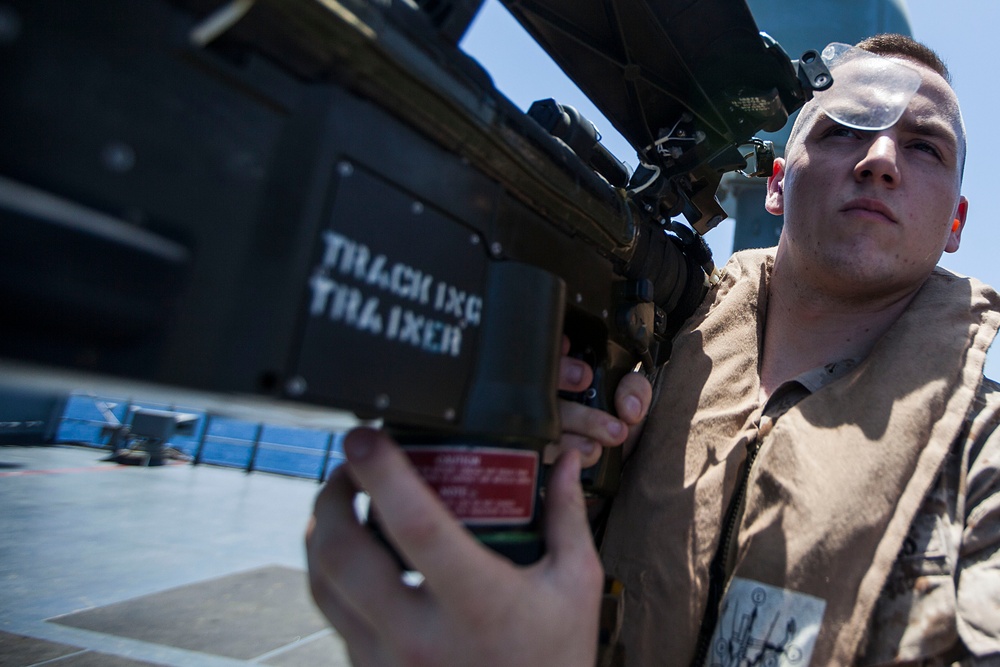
column 840, row 131
column 926, row 147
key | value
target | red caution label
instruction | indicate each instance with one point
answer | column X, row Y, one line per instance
column 481, row 485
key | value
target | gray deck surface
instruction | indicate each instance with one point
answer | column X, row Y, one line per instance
column 109, row 565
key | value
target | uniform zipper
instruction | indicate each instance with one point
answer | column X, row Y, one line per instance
column 717, row 570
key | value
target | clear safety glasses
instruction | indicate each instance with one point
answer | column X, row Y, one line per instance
column 869, row 92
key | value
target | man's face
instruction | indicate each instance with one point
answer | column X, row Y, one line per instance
column 872, row 211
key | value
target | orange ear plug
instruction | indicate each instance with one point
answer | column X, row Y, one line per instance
column 955, row 225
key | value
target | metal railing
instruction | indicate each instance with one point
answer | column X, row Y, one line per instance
column 217, row 440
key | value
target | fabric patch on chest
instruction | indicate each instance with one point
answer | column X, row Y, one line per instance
column 765, row 625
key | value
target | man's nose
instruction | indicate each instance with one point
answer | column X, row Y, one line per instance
column 879, row 162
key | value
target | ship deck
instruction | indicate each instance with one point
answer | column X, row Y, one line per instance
column 121, row 566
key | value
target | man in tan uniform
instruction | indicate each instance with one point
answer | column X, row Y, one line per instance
column 818, row 481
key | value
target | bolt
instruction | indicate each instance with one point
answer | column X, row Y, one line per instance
column 296, row 386
column 382, row 401
column 345, row 168
column 416, row 208
column 118, row 157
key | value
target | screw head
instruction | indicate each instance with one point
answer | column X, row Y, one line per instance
column 296, row 386
column 118, row 157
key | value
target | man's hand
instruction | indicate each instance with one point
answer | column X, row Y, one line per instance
column 473, row 607
column 588, row 430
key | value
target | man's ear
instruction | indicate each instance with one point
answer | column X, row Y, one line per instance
column 775, row 200
column 961, row 213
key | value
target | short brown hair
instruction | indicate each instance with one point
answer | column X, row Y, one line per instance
column 901, row 46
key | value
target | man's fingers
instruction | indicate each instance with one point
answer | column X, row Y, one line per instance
column 633, row 397
column 597, row 425
column 574, row 375
column 472, row 600
column 354, row 630
column 567, row 533
column 354, row 580
column 589, row 450
column 571, row 566
column 416, row 521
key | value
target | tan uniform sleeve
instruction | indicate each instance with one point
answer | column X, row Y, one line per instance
column 941, row 603
column 978, row 575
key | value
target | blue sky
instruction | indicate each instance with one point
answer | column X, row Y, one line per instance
column 963, row 32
